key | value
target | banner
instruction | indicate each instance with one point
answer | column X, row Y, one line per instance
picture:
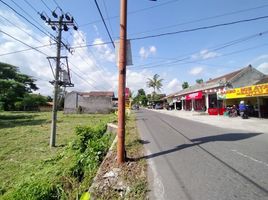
column 196, row 95
column 249, row 91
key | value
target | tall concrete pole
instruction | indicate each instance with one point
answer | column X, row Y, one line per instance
column 122, row 83
column 56, row 88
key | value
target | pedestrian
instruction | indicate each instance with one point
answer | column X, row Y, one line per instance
column 243, row 110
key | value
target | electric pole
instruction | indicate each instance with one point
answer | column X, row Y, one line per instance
column 62, row 23
column 122, row 83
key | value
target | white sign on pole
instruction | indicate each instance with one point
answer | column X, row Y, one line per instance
column 129, row 53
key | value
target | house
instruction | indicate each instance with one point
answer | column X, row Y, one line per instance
column 89, row 102
column 204, row 96
column 46, row 108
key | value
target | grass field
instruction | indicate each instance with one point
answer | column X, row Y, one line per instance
column 24, row 145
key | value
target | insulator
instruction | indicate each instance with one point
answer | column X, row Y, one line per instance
column 43, row 17
column 67, row 17
column 54, row 14
column 65, row 27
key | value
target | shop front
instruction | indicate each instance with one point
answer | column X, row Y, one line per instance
column 195, row 101
column 255, row 98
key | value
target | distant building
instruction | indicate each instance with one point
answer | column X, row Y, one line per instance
column 206, row 96
column 89, row 102
column 46, row 108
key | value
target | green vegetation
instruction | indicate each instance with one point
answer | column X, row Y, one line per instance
column 185, row 85
column 13, row 86
column 131, row 182
column 140, row 98
column 156, row 83
column 31, row 170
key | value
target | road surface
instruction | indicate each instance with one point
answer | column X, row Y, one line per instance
column 194, row 161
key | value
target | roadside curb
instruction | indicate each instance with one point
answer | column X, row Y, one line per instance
column 111, row 128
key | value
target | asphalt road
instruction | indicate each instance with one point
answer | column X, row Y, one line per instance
column 194, row 161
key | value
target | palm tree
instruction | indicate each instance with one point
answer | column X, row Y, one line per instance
column 155, row 83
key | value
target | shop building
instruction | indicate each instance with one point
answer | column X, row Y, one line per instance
column 204, row 96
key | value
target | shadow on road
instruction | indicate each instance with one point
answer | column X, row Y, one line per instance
column 202, row 140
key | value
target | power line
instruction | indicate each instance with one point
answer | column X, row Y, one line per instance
column 21, row 29
column 90, row 45
column 46, row 6
column 57, row 4
column 190, row 62
column 90, row 84
column 132, row 12
column 24, row 16
column 97, row 5
column 23, row 50
column 200, row 28
column 18, row 40
column 31, row 6
column 204, row 19
column 107, row 15
column 216, row 48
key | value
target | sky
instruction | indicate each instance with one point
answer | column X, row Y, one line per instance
column 183, row 56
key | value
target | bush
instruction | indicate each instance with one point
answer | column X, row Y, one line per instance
column 92, row 146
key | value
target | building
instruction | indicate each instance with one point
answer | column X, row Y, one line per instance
column 46, row 108
column 89, row 102
column 205, row 96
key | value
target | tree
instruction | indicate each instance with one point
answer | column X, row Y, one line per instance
column 199, row 81
column 155, row 83
column 185, row 85
column 13, row 86
column 140, row 98
column 31, row 102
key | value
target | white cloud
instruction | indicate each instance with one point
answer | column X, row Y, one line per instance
column 205, row 54
column 261, row 63
column 84, row 61
column 173, row 86
column 196, row 71
column 263, row 67
column 137, row 80
column 146, row 52
column 104, row 51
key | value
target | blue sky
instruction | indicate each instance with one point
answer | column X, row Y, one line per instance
column 97, row 65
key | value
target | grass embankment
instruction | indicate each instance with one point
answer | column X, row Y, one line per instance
column 31, row 170
column 131, row 179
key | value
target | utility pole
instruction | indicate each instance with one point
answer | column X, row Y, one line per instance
column 62, row 23
column 56, row 88
column 122, row 84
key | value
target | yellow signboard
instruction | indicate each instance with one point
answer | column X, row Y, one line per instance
column 249, row 91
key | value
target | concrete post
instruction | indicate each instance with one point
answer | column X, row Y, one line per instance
column 182, row 104
column 207, row 102
column 192, row 104
column 259, row 107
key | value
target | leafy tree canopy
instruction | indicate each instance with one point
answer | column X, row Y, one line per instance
column 199, row 81
column 155, row 83
column 140, row 98
column 185, row 85
column 13, row 86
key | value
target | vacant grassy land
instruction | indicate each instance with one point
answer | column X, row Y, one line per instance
column 25, row 155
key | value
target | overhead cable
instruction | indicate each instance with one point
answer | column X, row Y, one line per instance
column 97, row 5
column 200, row 28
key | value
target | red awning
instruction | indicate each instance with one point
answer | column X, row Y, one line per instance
column 196, row 95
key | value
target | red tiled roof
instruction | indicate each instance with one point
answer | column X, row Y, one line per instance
column 97, row 93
